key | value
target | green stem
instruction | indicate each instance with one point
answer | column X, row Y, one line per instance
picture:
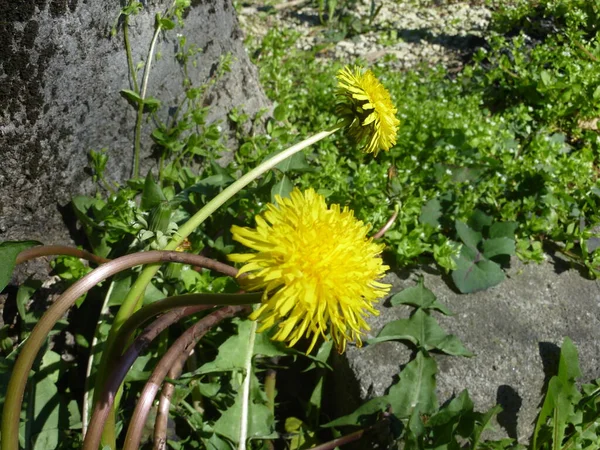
column 140, row 113
column 128, row 52
column 135, row 296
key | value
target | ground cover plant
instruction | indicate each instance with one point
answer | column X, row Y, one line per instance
column 498, row 160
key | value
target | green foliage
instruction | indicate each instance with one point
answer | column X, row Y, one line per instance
column 568, row 417
column 8, row 255
column 499, row 160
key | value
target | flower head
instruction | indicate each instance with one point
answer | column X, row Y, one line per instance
column 317, row 267
column 367, row 105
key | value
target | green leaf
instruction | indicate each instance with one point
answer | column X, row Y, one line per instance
column 362, row 414
column 479, row 220
column 568, row 365
column 233, row 351
column 431, row 212
column 282, row 188
column 415, row 389
column 43, row 424
column 167, row 24
column 9, row 251
column 320, row 360
column 475, row 273
column 457, row 407
column 503, row 229
column 26, row 290
column 280, row 112
column 470, row 237
column 132, row 97
column 260, row 419
column 546, row 77
column 561, row 397
column 498, row 246
column 483, row 423
column 420, row 297
column 152, row 195
column 296, row 162
column 424, row 331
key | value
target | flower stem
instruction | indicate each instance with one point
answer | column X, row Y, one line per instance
column 20, row 373
column 135, row 296
column 54, row 250
column 140, row 113
column 130, row 65
column 181, row 346
column 102, row 408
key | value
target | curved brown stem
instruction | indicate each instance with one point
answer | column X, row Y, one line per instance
column 182, row 346
column 340, row 441
column 55, row 250
column 116, row 377
column 387, row 226
column 164, row 404
column 18, row 380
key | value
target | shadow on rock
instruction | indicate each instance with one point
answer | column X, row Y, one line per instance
column 511, row 403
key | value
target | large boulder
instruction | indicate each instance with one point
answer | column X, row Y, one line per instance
column 60, row 77
column 514, row 329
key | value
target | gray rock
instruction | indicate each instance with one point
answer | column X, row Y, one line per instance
column 514, row 329
column 60, row 77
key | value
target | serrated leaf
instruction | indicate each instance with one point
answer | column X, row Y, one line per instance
column 9, row 251
column 260, row 419
column 469, row 236
column 431, row 212
column 415, row 389
column 457, row 407
column 420, row 297
column 422, row 330
column 362, row 414
column 483, row 423
column 475, row 273
column 233, row 351
column 498, row 246
column 282, row 188
column 397, row 330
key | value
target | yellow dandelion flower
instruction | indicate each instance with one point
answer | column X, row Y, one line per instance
column 367, row 106
column 317, row 267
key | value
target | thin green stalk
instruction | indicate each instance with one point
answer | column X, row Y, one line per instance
column 140, row 113
column 128, row 52
column 135, row 296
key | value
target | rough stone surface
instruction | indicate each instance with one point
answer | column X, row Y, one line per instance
column 514, row 329
column 60, row 77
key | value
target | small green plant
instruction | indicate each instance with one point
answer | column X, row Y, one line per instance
column 497, row 161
